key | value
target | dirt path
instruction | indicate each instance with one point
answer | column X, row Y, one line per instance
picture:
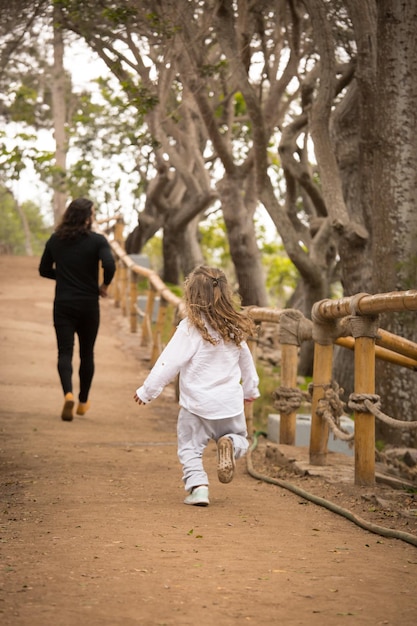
column 93, row 528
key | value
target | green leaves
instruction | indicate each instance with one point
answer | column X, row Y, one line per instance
column 23, row 107
column 12, row 231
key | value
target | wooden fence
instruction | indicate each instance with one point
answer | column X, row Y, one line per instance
column 351, row 322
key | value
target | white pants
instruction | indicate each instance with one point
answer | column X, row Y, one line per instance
column 195, row 432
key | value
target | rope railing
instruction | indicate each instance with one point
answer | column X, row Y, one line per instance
column 350, row 322
column 353, row 322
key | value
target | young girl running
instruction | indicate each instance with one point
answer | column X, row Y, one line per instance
column 217, row 374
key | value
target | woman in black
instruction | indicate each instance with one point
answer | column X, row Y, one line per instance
column 71, row 258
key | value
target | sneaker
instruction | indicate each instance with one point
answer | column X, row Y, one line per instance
column 83, row 407
column 67, row 409
column 225, row 459
column 198, row 497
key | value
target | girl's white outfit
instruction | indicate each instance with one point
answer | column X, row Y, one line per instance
column 214, row 381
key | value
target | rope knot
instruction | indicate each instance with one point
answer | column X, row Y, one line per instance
column 364, row 402
column 287, row 399
column 331, row 402
column 331, row 408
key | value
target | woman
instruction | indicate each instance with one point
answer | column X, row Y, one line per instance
column 71, row 258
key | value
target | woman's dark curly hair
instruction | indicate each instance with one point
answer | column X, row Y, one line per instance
column 209, row 299
column 76, row 220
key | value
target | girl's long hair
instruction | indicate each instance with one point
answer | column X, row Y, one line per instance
column 209, row 299
column 76, row 220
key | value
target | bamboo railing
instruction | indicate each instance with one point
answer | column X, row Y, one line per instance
column 350, row 322
column 362, row 312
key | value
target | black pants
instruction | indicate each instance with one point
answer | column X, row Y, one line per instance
column 83, row 319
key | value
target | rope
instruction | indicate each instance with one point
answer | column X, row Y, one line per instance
column 288, row 399
column 331, row 408
column 370, row 403
column 359, row 521
column 337, row 430
column 294, row 328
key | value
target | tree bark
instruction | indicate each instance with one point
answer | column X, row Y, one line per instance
column 59, row 119
column 395, row 216
column 242, row 242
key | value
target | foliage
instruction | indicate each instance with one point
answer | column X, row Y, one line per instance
column 213, row 241
column 102, row 139
column 280, row 273
column 19, row 151
column 153, row 249
column 12, row 235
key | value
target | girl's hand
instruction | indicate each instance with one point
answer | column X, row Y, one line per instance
column 250, row 399
column 137, row 399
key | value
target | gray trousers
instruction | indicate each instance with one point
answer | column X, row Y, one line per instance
column 194, row 433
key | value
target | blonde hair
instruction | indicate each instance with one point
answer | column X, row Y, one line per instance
column 209, row 299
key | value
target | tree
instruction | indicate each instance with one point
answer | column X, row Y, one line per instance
column 22, row 229
column 38, row 96
column 31, row 85
column 394, row 253
column 179, row 140
column 60, row 117
column 16, row 25
column 349, row 118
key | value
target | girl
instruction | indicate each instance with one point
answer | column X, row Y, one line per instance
column 217, row 374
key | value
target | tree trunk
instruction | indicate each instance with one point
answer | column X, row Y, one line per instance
column 353, row 131
column 242, row 242
column 26, row 229
column 171, row 258
column 181, row 249
column 191, row 254
column 59, row 119
column 395, row 216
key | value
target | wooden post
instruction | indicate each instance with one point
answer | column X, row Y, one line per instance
column 292, row 332
column 123, row 288
column 252, row 344
column 322, row 377
column 118, row 231
column 289, row 368
column 157, row 334
column 116, row 283
column 133, row 299
column 364, row 422
column 147, row 320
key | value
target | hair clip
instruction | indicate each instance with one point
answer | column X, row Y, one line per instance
column 215, row 282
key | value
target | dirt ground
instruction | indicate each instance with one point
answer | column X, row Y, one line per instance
column 93, row 526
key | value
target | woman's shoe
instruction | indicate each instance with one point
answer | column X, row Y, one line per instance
column 83, row 407
column 68, row 407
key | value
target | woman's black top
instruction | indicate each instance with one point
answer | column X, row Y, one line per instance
column 74, row 264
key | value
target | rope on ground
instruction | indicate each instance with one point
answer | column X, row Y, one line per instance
column 359, row 521
column 370, row 403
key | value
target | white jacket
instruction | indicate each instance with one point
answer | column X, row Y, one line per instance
column 214, row 379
